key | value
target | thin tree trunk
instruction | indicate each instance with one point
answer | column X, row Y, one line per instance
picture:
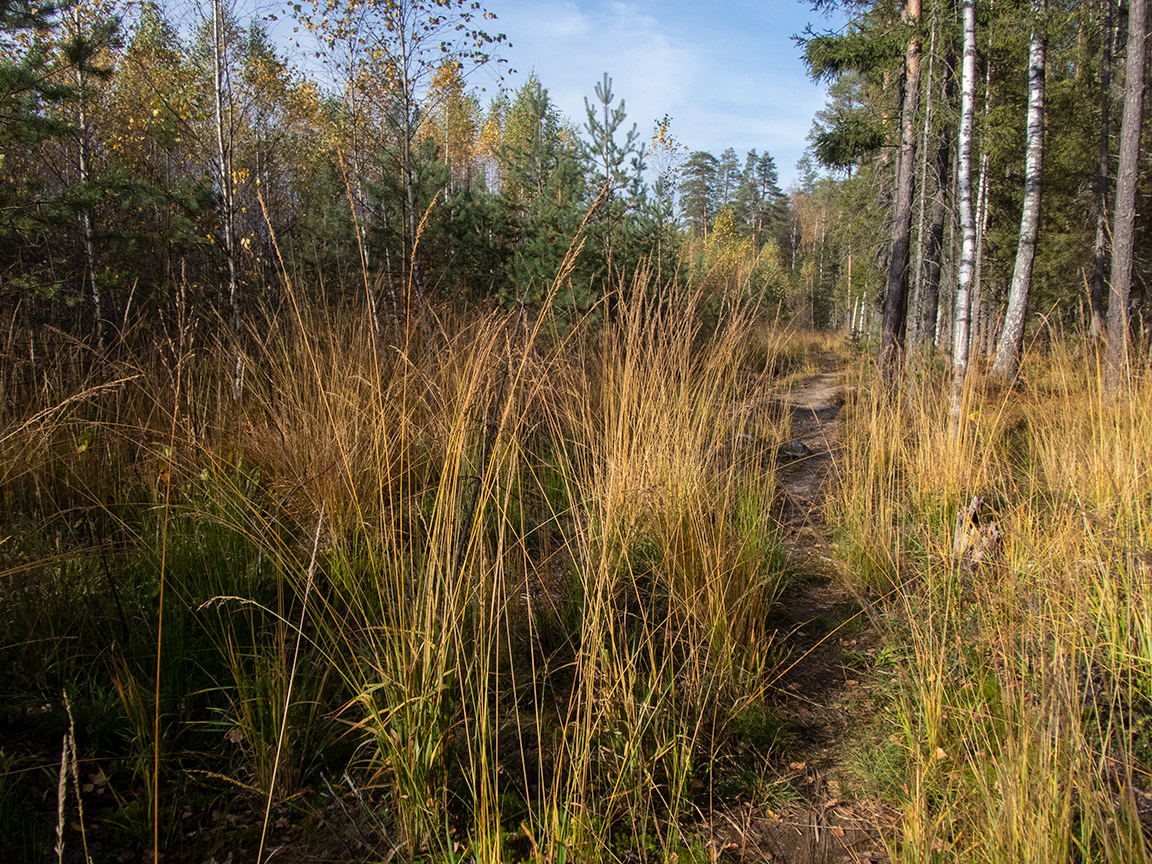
column 960, row 342
column 934, row 254
column 1124, row 222
column 976, row 295
column 916, row 335
column 86, row 212
column 1099, row 272
column 223, row 91
column 946, row 306
column 819, row 286
column 408, row 168
column 849, row 292
column 1011, row 343
column 896, row 294
column 795, row 225
column 976, row 298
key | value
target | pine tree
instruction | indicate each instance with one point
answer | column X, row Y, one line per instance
column 55, row 61
column 616, row 165
column 698, row 191
column 1123, row 244
column 542, row 182
column 727, row 178
column 771, row 219
column 893, row 325
column 530, row 144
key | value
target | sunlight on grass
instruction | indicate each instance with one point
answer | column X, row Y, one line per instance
column 541, row 579
column 1024, row 696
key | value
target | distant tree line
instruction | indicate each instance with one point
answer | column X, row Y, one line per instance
column 142, row 162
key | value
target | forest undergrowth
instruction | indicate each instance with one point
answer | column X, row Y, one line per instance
column 498, row 597
column 1019, row 713
column 508, row 595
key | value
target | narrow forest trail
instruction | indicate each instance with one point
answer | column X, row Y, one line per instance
column 828, row 648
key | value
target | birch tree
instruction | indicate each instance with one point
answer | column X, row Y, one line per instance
column 1007, row 362
column 967, row 217
column 397, row 46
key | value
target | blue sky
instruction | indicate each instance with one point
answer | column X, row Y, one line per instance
column 728, row 73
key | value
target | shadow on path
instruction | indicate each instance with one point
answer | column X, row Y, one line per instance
column 828, row 645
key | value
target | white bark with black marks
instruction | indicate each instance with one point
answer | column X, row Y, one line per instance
column 1011, row 342
column 960, row 343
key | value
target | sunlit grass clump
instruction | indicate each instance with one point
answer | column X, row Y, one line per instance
column 500, row 595
column 1024, row 700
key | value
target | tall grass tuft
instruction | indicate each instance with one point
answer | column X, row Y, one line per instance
column 1024, row 702
column 531, row 618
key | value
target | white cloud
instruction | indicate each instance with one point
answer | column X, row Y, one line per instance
column 727, row 76
column 569, row 48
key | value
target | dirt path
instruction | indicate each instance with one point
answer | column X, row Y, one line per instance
column 828, row 645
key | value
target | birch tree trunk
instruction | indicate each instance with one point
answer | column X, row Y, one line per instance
column 1124, row 222
column 895, row 317
column 1011, row 342
column 960, row 342
column 408, row 128
column 976, row 300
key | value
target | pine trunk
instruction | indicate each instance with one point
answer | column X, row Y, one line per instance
column 1011, row 343
column 1124, row 222
column 894, row 322
column 1100, row 262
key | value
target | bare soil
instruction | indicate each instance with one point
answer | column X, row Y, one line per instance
column 822, row 694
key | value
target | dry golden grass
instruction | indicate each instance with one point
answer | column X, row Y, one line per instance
column 1024, row 704
column 541, row 575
